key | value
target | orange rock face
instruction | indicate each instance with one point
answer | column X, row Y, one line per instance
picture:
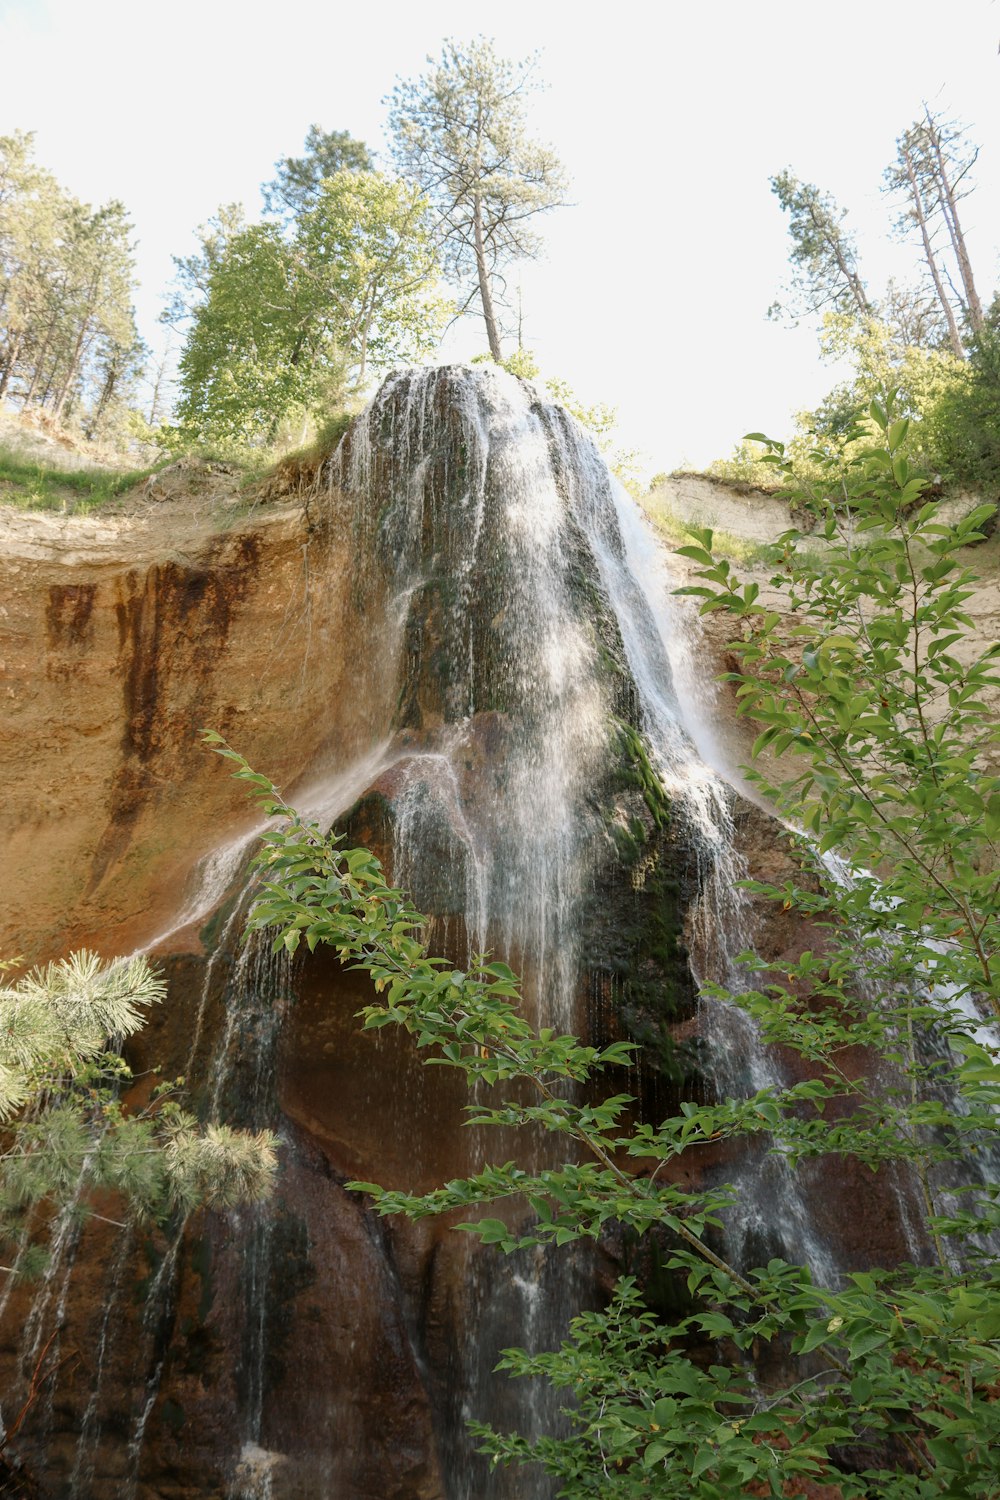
column 120, row 640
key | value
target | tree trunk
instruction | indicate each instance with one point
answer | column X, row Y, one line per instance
column 36, row 373
column 854, row 282
column 851, row 277
column 364, row 352
column 9, row 366
column 954, row 337
column 107, row 391
column 154, row 405
column 949, row 207
column 492, row 332
column 71, row 373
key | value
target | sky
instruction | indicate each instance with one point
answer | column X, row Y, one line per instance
column 669, row 118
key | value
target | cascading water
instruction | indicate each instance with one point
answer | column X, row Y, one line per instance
column 533, row 536
column 770, row 1213
column 472, row 532
column 509, row 708
column 499, row 576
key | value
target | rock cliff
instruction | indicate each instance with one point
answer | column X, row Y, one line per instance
column 427, row 648
column 442, row 645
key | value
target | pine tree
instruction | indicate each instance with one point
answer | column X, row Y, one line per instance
column 459, row 133
column 68, row 1133
column 827, row 277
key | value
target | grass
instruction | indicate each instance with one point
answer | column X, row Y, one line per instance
column 27, row 484
column 31, row 484
column 274, row 460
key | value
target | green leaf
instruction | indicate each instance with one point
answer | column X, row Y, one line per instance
column 865, row 1342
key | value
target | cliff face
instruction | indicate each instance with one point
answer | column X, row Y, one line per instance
column 427, row 646
column 122, row 637
column 446, row 650
column 745, row 520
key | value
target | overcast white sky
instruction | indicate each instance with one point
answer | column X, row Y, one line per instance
column 669, row 118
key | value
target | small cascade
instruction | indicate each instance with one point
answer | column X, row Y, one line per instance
column 960, row 1012
column 81, row 1477
column 239, row 1068
column 770, row 1213
column 157, row 1315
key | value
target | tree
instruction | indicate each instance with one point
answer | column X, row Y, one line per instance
column 968, row 415
column 60, row 1086
column 760, row 1382
column 295, row 188
column 827, row 277
column 932, row 164
column 367, row 253
column 251, row 355
column 953, row 159
column 291, row 192
column 459, row 132
column 927, row 378
column 68, row 1136
column 918, row 210
column 291, row 325
column 66, row 281
column 193, row 273
column 96, row 305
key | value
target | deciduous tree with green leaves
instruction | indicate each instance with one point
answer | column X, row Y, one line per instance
column 882, row 1387
column 292, row 324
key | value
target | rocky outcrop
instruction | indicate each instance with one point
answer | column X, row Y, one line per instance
column 120, row 640
column 440, row 646
column 427, row 647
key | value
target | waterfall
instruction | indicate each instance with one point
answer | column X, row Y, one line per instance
column 507, row 590
column 515, row 558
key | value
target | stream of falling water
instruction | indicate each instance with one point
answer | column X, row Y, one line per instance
column 522, row 854
column 516, row 845
column 770, row 1205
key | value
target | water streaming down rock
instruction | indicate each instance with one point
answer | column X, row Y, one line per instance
column 497, row 580
column 502, row 699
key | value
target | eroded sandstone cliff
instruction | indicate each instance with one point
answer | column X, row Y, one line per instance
column 438, row 645
column 121, row 637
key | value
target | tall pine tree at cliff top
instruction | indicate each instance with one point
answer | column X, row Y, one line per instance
column 459, row 132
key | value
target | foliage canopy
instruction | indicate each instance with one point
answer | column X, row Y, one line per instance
column 291, row 322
